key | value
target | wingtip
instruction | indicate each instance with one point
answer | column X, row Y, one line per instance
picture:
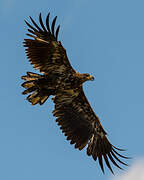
column 26, row 22
column 31, row 18
column 119, row 148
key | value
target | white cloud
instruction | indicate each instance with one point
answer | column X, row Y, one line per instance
column 135, row 172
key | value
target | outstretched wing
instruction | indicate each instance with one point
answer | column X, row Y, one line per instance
column 81, row 126
column 44, row 51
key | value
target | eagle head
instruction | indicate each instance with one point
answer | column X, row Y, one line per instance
column 84, row 77
column 87, row 77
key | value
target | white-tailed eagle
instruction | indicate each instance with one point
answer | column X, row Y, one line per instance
column 73, row 113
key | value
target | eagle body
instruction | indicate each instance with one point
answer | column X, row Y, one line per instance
column 58, row 79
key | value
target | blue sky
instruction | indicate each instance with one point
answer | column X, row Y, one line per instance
column 104, row 38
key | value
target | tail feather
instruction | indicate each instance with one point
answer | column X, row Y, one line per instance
column 33, row 98
column 28, row 84
column 29, row 90
column 32, row 85
column 31, row 76
column 43, row 99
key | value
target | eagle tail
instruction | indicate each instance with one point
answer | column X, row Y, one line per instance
column 34, row 86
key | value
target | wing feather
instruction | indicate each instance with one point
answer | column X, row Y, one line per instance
column 53, row 25
column 107, row 163
column 44, row 52
column 35, row 24
column 41, row 23
column 57, row 31
column 47, row 22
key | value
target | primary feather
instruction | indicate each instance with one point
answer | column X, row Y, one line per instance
column 73, row 112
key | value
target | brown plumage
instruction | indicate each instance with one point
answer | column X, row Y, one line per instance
column 74, row 114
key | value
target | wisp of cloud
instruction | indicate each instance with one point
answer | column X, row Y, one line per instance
column 135, row 172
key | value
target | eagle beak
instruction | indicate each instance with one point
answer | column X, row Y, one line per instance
column 91, row 78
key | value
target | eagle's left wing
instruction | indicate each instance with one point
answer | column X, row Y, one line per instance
column 81, row 126
column 44, row 51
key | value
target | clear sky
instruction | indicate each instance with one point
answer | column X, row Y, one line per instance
column 102, row 37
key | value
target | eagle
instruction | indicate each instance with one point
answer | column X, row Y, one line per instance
column 58, row 79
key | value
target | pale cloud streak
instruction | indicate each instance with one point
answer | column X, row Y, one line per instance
column 135, row 172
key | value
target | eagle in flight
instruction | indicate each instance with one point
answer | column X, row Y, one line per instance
column 73, row 113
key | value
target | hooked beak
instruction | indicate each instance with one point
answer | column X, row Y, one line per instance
column 91, row 78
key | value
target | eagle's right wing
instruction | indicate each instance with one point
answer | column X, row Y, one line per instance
column 81, row 126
